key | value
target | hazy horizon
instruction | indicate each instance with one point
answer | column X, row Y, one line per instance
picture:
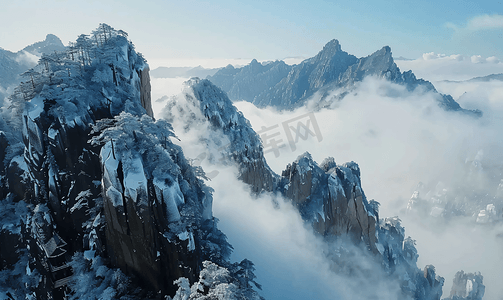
column 265, row 30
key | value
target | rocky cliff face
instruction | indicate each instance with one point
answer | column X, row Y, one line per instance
column 145, row 91
column 331, row 198
column 148, row 204
column 331, row 69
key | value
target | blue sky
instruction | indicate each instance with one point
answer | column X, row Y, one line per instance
column 265, row 29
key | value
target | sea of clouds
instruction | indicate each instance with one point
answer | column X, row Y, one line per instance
column 399, row 139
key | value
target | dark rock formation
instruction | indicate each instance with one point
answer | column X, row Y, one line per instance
column 145, row 88
column 330, row 197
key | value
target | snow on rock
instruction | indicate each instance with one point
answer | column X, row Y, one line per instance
column 171, row 196
column 110, row 175
column 229, row 134
column 135, row 182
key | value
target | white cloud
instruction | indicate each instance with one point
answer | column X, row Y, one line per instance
column 481, row 22
column 27, row 58
column 457, row 57
column 477, row 59
column 432, row 55
column 436, row 67
column 485, row 22
column 493, row 60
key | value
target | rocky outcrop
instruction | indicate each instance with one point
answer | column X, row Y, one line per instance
column 467, row 286
column 145, row 91
column 138, row 213
column 204, row 102
column 330, row 197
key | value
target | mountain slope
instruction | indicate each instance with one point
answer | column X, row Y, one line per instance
column 247, row 82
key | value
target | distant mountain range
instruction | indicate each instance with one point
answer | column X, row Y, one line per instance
column 173, row 72
column 12, row 64
column 286, row 87
column 487, row 78
column 49, row 45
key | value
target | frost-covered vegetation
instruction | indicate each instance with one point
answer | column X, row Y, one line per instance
column 98, row 201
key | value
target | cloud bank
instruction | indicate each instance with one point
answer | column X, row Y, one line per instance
column 438, row 67
column 399, row 139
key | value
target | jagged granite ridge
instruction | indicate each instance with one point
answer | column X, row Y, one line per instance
column 331, row 69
